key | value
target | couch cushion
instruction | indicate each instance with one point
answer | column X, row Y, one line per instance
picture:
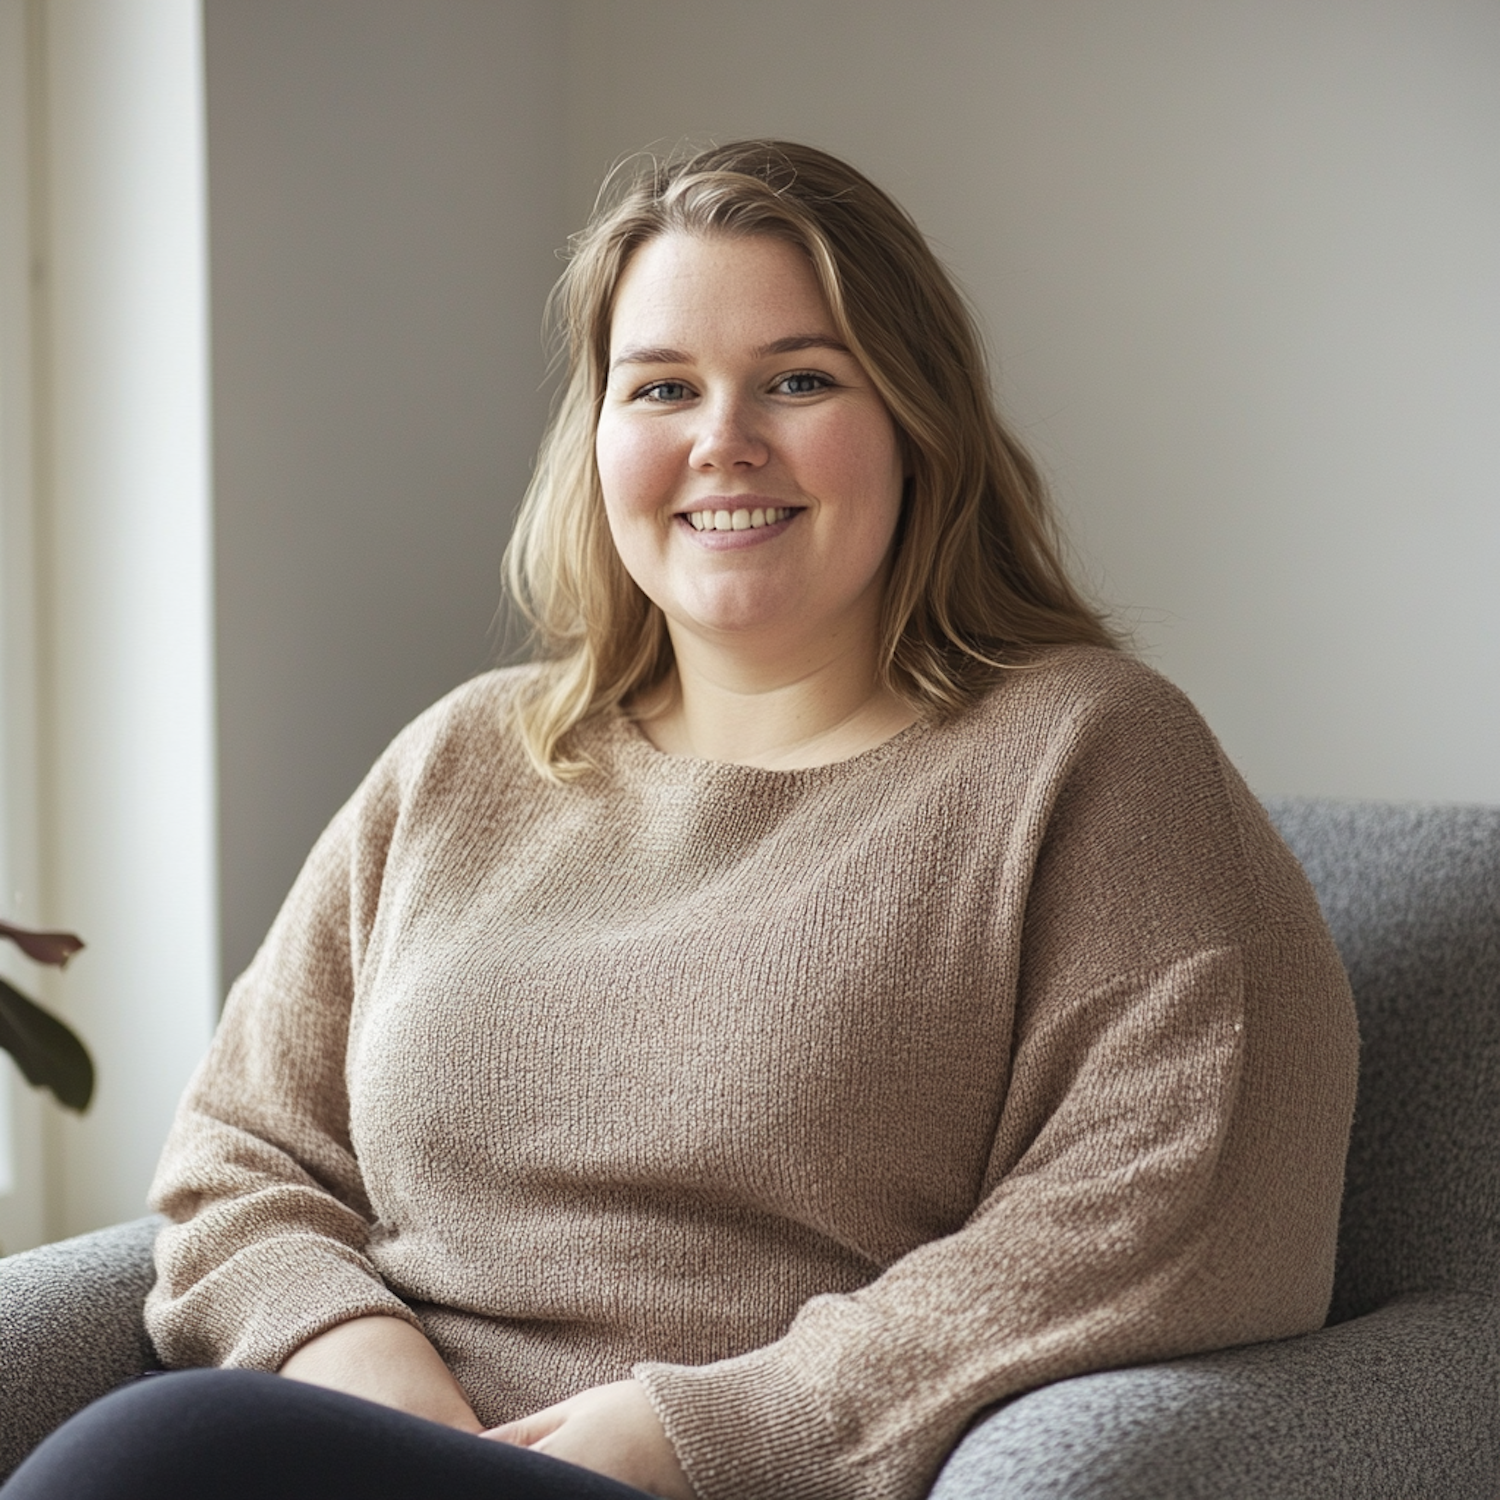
column 1412, row 893
column 72, row 1330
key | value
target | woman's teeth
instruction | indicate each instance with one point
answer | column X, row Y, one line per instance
column 737, row 520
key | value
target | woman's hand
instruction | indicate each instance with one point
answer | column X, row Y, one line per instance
column 386, row 1360
column 611, row 1429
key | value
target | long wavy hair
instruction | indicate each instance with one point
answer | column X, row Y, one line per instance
column 977, row 577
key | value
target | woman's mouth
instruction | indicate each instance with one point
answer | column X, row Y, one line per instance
column 741, row 519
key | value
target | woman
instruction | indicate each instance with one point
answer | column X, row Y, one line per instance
column 835, row 991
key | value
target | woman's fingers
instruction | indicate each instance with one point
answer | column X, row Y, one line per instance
column 527, row 1431
column 611, row 1429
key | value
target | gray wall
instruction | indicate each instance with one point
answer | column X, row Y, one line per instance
column 384, row 207
column 1240, row 263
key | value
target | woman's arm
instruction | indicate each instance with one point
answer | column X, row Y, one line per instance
column 386, row 1360
column 268, row 1248
column 1156, row 1212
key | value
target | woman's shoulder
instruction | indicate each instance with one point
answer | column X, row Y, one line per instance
column 1103, row 730
column 1125, row 759
column 468, row 732
column 1085, row 691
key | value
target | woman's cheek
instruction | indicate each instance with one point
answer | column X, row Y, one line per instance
column 635, row 467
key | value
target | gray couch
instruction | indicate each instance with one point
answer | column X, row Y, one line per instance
column 1399, row 1396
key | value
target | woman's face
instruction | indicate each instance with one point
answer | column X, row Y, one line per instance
column 752, row 476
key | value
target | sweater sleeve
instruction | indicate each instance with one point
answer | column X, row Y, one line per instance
column 1166, row 1171
column 269, row 1218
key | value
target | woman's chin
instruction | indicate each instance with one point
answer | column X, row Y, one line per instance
column 739, row 634
column 734, row 623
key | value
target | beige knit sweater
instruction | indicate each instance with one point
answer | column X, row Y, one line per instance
column 837, row 1103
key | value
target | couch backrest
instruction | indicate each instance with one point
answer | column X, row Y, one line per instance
column 1412, row 894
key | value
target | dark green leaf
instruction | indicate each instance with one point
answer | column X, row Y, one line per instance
column 44, row 947
column 45, row 1050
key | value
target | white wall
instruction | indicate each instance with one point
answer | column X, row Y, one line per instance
column 121, row 719
column 22, row 1196
column 385, row 205
column 1240, row 262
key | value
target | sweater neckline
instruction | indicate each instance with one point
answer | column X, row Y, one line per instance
column 629, row 743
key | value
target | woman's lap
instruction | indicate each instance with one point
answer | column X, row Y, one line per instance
column 239, row 1435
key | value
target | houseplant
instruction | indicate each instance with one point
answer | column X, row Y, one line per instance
column 47, row 1052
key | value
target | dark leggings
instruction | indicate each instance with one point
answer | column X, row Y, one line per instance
column 238, row 1435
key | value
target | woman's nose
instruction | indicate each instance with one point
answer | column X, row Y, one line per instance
column 729, row 437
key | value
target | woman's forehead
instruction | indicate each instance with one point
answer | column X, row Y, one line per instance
column 757, row 291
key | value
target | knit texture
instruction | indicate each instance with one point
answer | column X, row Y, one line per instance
column 71, row 1315
column 837, row 1103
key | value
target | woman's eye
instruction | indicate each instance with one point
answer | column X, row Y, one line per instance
column 665, row 391
column 803, row 384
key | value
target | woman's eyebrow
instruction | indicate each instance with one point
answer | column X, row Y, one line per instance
column 649, row 354
column 654, row 354
column 802, row 341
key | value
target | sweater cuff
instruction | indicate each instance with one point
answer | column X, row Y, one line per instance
column 747, row 1429
column 266, row 1301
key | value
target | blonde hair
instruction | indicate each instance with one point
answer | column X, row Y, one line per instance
column 977, row 575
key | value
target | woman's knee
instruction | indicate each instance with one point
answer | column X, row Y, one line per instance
column 162, row 1434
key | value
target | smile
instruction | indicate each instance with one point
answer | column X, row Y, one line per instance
column 737, row 520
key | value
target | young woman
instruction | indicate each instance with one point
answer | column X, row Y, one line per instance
column 833, row 990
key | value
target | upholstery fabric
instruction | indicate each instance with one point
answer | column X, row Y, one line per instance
column 70, row 1329
column 1398, row 1397
column 1401, row 1403
column 1412, row 895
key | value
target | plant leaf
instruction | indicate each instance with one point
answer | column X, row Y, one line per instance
column 54, row 948
column 45, row 1050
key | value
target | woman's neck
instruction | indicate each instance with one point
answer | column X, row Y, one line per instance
column 718, row 705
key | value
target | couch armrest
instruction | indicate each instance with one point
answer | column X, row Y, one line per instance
column 71, row 1315
column 1402, row 1402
